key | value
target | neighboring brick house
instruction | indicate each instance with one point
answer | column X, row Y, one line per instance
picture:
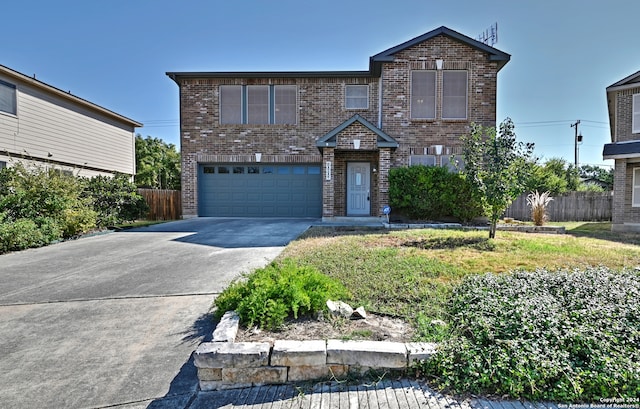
column 623, row 102
column 320, row 144
column 46, row 126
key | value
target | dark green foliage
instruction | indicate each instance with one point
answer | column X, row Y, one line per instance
column 26, row 233
column 432, row 193
column 46, row 197
column 115, row 199
column 157, row 164
column 563, row 336
column 271, row 294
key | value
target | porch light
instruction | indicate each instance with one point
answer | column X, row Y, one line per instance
column 438, row 149
column 258, row 157
column 356, row 144
column 439, row 63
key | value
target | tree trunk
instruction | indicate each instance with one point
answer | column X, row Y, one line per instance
column 492, row 228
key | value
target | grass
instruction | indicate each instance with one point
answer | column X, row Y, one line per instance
column 411, row 273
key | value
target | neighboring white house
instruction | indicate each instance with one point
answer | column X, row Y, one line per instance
column 43, row 124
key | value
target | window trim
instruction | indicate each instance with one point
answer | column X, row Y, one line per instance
column 635, row 113
column 346, row 96
column 435, row 96
column 635, row 189
column 466, row 97
column 15, row 97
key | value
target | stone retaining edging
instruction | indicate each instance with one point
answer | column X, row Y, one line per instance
column 226, row 364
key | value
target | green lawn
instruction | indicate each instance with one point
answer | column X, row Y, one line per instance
column 410, row 273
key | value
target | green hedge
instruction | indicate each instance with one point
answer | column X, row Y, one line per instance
column 432, row 193
column 569, row 336
column 40, row 205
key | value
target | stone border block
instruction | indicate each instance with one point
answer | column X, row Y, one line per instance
column 210, row 374
column 265, row 375
column 420, row 351
column 237, row 355
column 227, row 328
column 377, row 354
column 299, row 353
column 219, row 385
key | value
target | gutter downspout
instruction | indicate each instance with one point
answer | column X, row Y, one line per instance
column 380, row 88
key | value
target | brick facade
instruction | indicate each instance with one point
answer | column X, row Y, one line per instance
column 625, row 217
column 321, row 108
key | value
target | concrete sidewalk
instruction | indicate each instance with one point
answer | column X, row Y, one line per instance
column 388, row 394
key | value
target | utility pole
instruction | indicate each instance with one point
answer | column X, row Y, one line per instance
column 577, row 138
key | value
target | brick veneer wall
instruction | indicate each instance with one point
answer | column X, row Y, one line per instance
column 321, row 107
column 624, row 111
column 418, row 134
column 622, row 212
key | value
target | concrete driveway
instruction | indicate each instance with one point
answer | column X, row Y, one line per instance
column 111, row 320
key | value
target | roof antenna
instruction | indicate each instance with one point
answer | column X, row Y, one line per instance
column 489, row 36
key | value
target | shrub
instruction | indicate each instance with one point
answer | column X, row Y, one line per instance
column 26, row 233
column 563, row 336
column 271, row 294
column 115, row 199
column 431, row 192
column 539, row 202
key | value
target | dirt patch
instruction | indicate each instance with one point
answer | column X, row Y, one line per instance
column 374, row 327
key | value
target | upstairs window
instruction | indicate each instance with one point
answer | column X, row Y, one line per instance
column 356, row 97
column 7, row 98
column 454, row 95
column 285, row 105
column 423, row 94
column 258, row 104
column 635, row 120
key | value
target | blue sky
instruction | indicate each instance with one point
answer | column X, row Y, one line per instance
column 115, row 54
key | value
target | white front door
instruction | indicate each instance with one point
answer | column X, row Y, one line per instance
column 358, row 189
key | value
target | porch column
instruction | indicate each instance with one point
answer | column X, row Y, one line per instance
column 328, row 176
column 384, row 164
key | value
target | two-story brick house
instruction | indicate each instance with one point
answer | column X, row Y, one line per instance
column 312, row 144
column 623, row 102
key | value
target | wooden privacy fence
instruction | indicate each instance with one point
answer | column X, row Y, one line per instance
column 163, row 204
column 572, row 206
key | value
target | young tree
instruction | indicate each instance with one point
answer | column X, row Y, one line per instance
column 496, row 165
column 157, row 164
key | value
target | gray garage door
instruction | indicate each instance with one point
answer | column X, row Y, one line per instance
column 255, row 190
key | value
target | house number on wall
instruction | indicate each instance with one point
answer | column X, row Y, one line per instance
column 327, row 171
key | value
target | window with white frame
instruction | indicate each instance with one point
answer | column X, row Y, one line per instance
column 454, row 95
column 8, row 98
column 258, row 104
column 423, row 94
column 356, row 97
column 635, row 189
column 635, row 121
column 3, row 164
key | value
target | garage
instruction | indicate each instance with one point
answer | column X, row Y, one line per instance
column 259, row 190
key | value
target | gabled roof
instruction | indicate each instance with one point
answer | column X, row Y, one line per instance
column 66, row 95
column 375, row 62
column 631, row 81
column 387, row 56
column 329, row 140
